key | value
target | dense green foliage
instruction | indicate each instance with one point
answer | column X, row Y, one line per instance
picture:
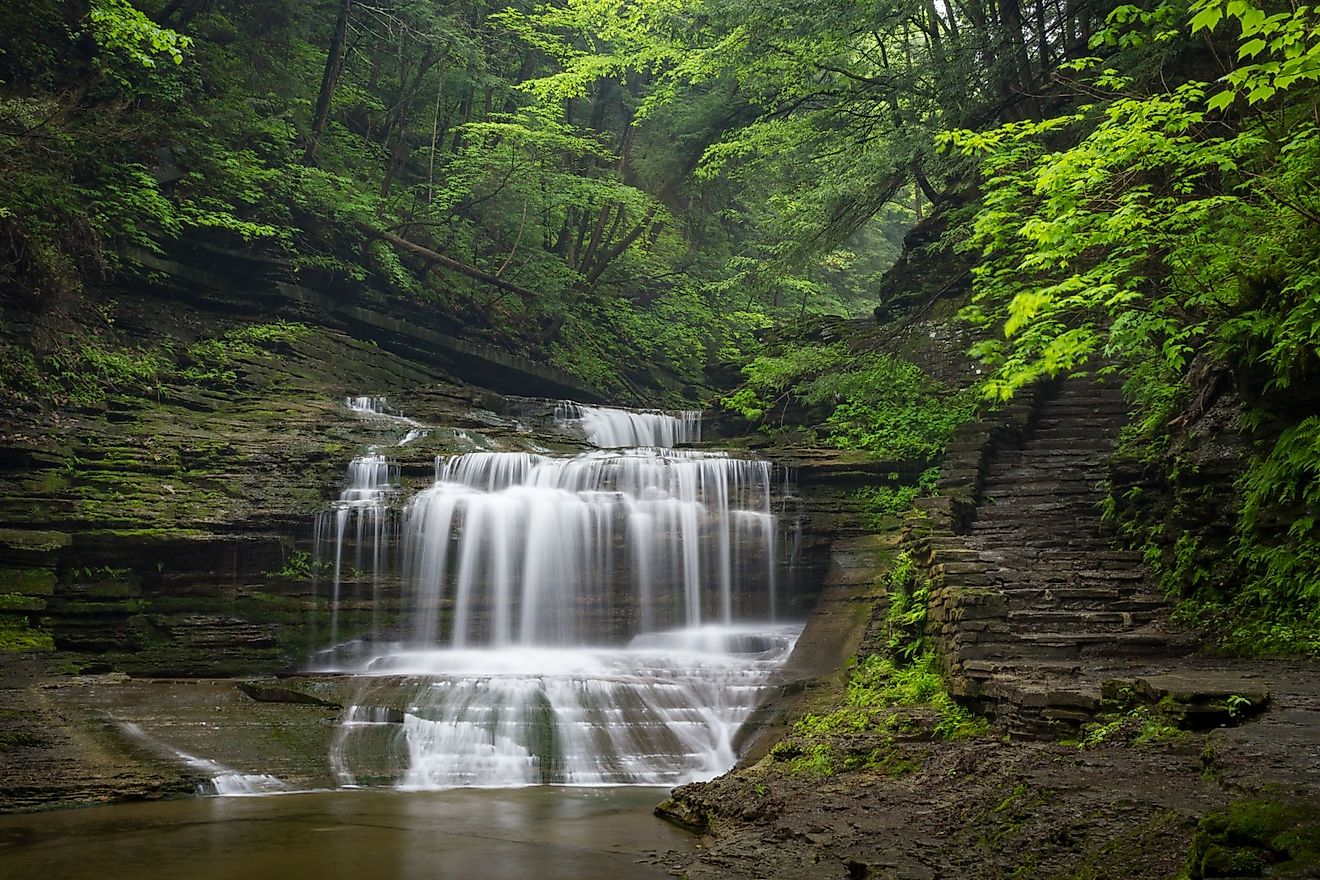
column 1170, row 224
column 856, row 400
column 637, row 190
column 130, row 125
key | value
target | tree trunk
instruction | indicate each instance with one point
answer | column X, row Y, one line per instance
column 187, row 10
column 1010, row 12
column 435, row 258
column 435, row 134
column 621, row 246
column 334, row 65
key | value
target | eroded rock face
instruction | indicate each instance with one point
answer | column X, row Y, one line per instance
column 168, row 534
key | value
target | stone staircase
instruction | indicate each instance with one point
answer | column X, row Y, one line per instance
column 1033, row 605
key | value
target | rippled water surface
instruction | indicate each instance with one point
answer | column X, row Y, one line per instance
column 541, row 833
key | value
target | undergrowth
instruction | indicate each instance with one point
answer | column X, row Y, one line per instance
column 83, row 372
column 1140, row 725
column 864, row 401
column 1241, row 560
column 879, row 503
column 898, row 692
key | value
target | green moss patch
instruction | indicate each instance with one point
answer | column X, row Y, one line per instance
column 16, row 635
column 28, row 581
column 10, row 602
column 1254, row 837
column 33, row 541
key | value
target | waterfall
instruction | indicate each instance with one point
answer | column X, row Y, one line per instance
column 369, row 406
column 618, row 428
column 598, row 619
column 224, row 781
column 360, row 523
column 530, row 541
column 377, row 407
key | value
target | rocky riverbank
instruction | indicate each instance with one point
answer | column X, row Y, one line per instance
column 1236, row 801
column 1114, row 747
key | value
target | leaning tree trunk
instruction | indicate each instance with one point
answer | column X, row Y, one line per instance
column 334, row 65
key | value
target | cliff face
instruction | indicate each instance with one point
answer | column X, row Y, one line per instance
column 159, row 521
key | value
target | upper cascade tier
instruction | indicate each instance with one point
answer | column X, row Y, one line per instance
column 376, row 407
column 520, row 545
column 618, row 428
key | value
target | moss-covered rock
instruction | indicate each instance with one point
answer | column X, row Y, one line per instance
column 19, row 602
column 32, row 541
column 1251, row 838
column 27, row 581
column 686, row 814
column 17, row 635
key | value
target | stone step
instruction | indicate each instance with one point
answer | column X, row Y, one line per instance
column 1080, row 516
column 1024, row 669
column 1002, row 514
column 1039, row 492
column 1043, row 484
column 1060, row 537
column 1098, row 413
column 1055, row 539
column 1078, row 388
column 1051, row 530
column 1065, row 470
column 1086, row 621
column 1082, row 598
column 1099, row 593
column 1067, row 645
column 1093, row 422
column 1042, row 504
column 1034, row 696
column 1074, row 437
column 1044, row 576
column 1103, row 558
column 1070, row 520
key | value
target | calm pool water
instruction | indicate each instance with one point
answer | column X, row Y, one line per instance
column 540, row 833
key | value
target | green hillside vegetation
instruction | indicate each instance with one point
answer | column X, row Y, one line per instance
column 636, row 190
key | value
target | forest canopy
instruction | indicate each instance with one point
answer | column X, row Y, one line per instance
column 635, row 190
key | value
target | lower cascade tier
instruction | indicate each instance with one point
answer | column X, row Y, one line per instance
column 664, row 710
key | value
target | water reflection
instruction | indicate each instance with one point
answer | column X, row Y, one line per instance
column 546, row 833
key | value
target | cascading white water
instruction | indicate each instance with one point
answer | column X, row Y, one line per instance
column 675, row 535
column 360, row 522
column 378, row 407
column 224, row 781
column 605, row 618
column 366, row 405
column 618, row 428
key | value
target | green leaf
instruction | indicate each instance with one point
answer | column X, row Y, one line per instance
column 1221, row 100
column 1252, row 20
column 1260, row 93
column 1023, row 308
column 1207, row 19
column 1251, row 48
